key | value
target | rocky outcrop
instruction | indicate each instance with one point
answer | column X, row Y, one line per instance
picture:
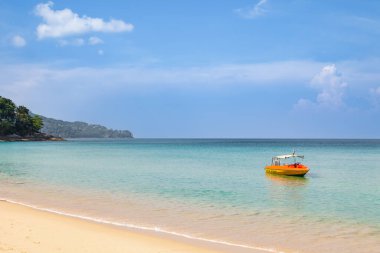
column 34, row 137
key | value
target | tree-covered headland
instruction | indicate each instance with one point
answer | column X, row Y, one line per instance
column 17, row 119
column 17, row 123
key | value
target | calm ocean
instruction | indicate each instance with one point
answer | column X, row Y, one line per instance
column 213, row 189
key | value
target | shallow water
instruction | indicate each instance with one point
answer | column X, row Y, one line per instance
column 212, row 189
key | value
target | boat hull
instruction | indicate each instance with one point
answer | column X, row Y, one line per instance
column 287, row 170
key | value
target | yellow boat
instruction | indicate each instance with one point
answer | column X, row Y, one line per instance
column 291, row 169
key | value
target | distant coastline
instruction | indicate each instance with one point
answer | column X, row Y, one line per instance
column 78, row 129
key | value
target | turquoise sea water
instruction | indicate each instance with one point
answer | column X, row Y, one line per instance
column 213, row 189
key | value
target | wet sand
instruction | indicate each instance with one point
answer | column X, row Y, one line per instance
column 24, row 229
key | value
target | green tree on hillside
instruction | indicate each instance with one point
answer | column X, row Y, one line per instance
column 7, row 116
column 17, row 120
column 24, row 122
column 37, row 123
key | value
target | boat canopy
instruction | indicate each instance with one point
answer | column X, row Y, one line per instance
column 289, row 156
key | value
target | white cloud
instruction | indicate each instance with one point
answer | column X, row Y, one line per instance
column 253, row 12
column 95, row 41
column 47, row 85
column 331, row 88
column 18, row 41
column 45, row 77
column 328, row 82
column 61, row 23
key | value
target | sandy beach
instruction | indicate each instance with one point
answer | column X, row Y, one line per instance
column 24, row 229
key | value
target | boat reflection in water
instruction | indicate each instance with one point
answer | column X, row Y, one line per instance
column 286, row 180
column 287, row 191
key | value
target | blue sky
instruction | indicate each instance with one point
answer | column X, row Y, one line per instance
column 246, row 69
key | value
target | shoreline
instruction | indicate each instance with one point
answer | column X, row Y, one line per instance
column 95, row 235
column 38, row 137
